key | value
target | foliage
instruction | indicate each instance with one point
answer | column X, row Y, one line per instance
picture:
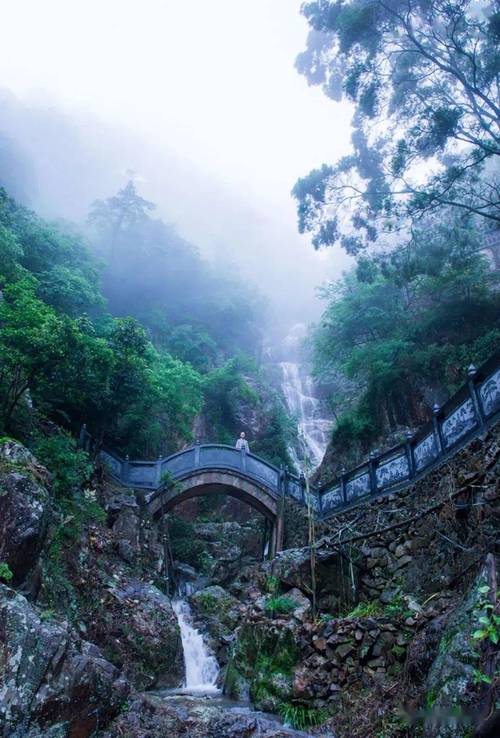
column 489, row 621
column 280, row 605
column 119, row 212
column 423, row 80
column 302, row 717
column 209, row 603
column 64, row 356
column 271, row 584
column 185, row 547
column 193, row 345
column 70, row 467
column 407, row 319
column 366, row 610
column 198, row 314
column 278, row 435
column 5, row 572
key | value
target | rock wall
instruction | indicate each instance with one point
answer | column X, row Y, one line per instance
column 442, row 525
column 52, row 683
column 96, row 626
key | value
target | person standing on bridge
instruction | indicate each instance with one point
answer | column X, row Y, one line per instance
column 242, row 443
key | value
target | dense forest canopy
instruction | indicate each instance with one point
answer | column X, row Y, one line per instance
column 411, row 203
column 403, row 326
column 129, row 331
column 423, row 78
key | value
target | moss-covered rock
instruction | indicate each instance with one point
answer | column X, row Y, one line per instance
column 24, row 509
column 452, row 684
column 52, row 683
column 261, row 666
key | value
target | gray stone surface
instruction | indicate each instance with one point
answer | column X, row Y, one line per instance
column 51, row 682
column 24, row 508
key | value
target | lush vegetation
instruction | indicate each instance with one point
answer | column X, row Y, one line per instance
column 130, row 332
column 423, row 80
column 405, row 324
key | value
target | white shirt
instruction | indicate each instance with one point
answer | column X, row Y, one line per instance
column 242, row 443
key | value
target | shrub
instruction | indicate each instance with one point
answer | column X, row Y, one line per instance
column 302, row 717
column 5, row 572
column 281, row 605
column 70, row 467
column 366, row 610
column 271, row 584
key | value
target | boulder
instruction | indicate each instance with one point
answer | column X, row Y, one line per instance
column 156, row 718
column 24, row 509
column 218, row 613
column 126, row 530
column 303, row 609
column 451, row 684
column 137, row 629
column 52, row 683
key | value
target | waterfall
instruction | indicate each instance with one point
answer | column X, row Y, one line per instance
column 200, row 665
column 313, row 429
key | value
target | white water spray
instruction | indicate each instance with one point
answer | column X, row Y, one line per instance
column 314, row 430
column 201, row 667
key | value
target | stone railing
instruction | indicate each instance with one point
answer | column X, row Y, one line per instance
column 473, row 408
column 151, row 475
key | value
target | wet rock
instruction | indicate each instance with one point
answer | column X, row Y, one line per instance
column 217, row 613
column 450, row 684
column 137, row 630
column 51, row 682
column 126, row 529
column 24, row 509
column 191, row 718
column 303, row 609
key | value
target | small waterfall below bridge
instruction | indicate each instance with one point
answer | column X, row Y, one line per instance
column 313, row 427
column 201, row 667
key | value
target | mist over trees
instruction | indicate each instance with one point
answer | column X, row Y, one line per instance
column 423, row 79
column 404, row 327
column 130, row 332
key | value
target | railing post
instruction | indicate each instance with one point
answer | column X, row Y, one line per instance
column 158, row 471
column 371, row 471
column 197, row 452
column 409, row 454
column 471, row 373
column 285, row 480
column 437, row 429
column 343, row 484
column 126, row 469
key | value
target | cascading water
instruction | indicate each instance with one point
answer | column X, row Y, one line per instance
column 313, row 429
column 201, row 667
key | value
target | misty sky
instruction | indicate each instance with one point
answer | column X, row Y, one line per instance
column 221, row 123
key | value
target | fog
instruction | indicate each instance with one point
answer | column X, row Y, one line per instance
column 200, row 102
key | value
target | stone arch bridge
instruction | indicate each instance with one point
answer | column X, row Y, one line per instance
column 209, row 469
column 213, row 468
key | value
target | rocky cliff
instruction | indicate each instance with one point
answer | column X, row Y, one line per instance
column 403, row 642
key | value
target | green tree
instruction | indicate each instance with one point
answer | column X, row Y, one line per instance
column 27, row 347
column 67, row 276
column 117, row 213
column 406, row 320
column 424, row 81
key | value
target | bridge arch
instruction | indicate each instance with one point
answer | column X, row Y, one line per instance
column 204, row 482
column 207, row 482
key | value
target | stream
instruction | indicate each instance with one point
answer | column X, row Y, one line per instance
column 200, row 666
column 201, row 702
